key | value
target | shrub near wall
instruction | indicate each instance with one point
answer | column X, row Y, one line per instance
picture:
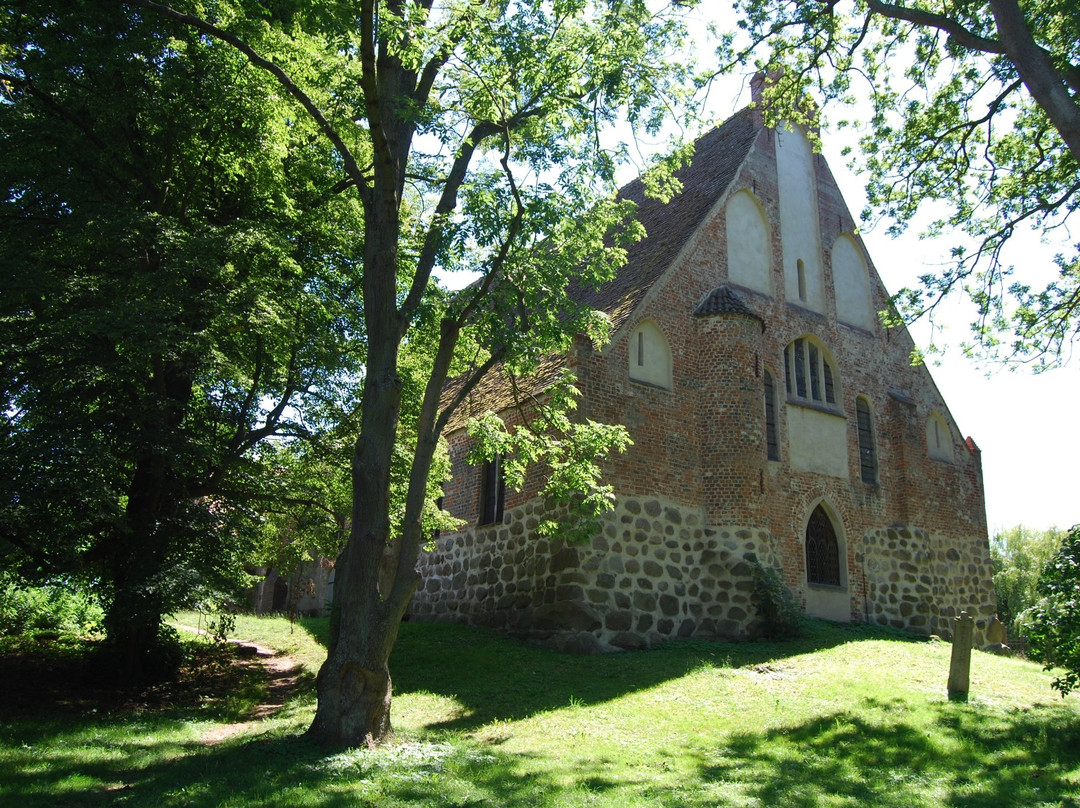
column 54, row 608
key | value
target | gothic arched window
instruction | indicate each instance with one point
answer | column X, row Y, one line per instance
column 808, row 372
column 822, row 550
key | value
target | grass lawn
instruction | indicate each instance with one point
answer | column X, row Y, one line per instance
column 847, row 716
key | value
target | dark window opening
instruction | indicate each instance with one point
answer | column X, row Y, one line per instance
column 800, row 368
column 809, row 376
column 772, row 440
column 822, row 550
column 867, row 454
column 492, row 492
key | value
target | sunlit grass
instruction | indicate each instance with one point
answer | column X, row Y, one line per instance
column 843, row 717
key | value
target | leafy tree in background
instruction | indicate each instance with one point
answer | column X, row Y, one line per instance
column 171, row 247
column 472, row 134
column 1054, row 628
column 975, row 106
column 1018, row 556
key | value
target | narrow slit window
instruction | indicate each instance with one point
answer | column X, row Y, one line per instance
column 772, row 438
column 867, row 450
column 800, row 268
column 492, row 492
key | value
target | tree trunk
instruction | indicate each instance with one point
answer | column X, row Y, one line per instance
column 354, row 683
column 354, row 687
column 140, row 547
column 134, row 652
column 354, row 691
column 1038, row 73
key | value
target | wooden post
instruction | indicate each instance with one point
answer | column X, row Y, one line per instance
column 960, row 665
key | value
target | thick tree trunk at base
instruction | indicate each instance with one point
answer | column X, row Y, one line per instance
column 354, row 704
column 135, row 652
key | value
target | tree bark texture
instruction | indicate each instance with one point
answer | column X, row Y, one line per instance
column 354, row 691
column 139, row 548
column 1042, row 80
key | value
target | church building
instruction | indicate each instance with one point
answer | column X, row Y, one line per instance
column 775, row 422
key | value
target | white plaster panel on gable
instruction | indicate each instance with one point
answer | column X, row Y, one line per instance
column 939, row 442
column 749, row 252
column 852, row 284
column 800, row 237
column 650, row 356
column 817, row 441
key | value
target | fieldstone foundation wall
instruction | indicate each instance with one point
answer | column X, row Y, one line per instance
column 920, row 581
column 654, row 573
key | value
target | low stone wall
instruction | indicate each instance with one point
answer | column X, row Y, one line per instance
column 919, row 581
column 654, row 573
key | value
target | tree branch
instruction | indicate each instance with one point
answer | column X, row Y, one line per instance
column 447, row 203
column 928, row 19
column 1037, row 71
column 352, row 168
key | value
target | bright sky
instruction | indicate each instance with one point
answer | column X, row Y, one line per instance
column 1024, row 423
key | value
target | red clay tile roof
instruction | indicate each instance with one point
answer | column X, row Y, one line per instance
column 717, row 157
column 724, row 300
column 495, row 393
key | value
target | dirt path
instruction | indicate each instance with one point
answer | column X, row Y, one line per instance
column 283, row 679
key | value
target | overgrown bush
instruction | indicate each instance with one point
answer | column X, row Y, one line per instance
column 52, row 608
column 1018, row 556
column 1054, row 630
column 780, row 614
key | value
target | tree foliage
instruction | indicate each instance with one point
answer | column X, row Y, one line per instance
column 974, row 111
column 172, row 246
column 472, row 134
column 1018, row 556
column 1054, row 628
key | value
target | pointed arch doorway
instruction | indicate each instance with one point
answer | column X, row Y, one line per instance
column 825, row 556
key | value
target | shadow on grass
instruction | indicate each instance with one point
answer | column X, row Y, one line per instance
column 496, row 678
column 277, row 770
column 881, row 753
column 879, row 756
column 967, row 758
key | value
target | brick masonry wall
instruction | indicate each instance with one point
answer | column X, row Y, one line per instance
column 914, row 543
